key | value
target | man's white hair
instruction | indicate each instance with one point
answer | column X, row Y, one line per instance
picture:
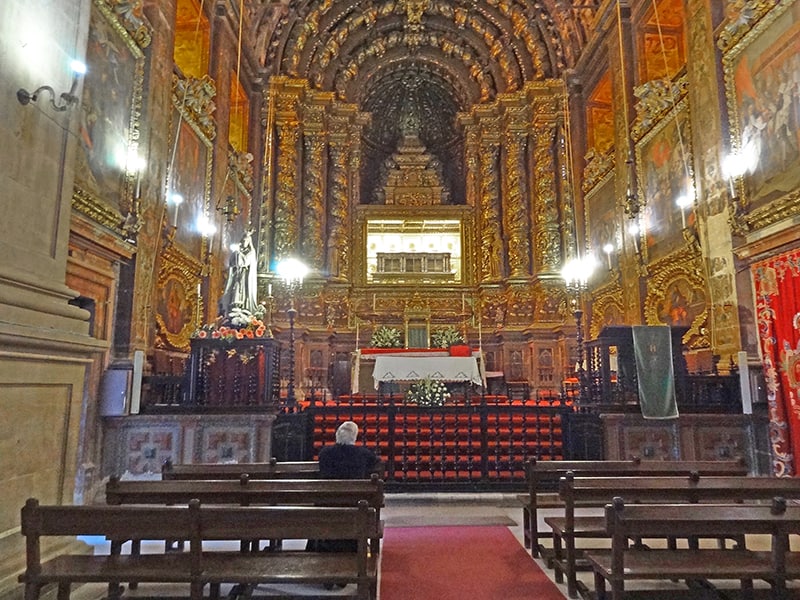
column 347, row 433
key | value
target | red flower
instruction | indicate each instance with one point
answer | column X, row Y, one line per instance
column 202, row 334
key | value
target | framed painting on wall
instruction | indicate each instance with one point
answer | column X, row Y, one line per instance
column 762, row 72
column 178, row 302
column 109, row 120
column 602, row 221
column 664, row 169
column 190, row 179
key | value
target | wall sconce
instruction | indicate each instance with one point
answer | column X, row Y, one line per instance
column 66, row 99
column 608, row 249
column 635, row 232
column 176, row 200
column 685, row 201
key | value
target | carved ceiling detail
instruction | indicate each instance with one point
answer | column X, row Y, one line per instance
column 453, row 53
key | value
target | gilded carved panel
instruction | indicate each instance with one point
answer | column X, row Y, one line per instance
column 677, row 296
column 607, row 308
column 178, row 301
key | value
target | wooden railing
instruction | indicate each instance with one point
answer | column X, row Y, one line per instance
column 477, row 443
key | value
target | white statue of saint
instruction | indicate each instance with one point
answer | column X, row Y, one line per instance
column 240, row 289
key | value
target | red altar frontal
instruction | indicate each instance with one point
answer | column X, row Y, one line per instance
column 373, row 366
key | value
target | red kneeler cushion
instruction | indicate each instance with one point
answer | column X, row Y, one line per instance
column 461, row 350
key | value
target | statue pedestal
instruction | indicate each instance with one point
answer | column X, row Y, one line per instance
column 234, row 375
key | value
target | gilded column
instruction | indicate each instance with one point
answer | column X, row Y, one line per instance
column 357, row 124
column 569, row 235
column 547, row 241
column 338, row 249
column 285, row 221
column 492, row 246
column 516, row 217
column 471, row 161
column 312, row 239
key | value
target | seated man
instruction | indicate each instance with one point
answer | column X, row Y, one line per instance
column 345, row 460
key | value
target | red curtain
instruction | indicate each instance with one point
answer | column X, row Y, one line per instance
column 777, row 287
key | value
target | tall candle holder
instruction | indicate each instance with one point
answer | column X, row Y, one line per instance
column 576, row 275
column 292, row 272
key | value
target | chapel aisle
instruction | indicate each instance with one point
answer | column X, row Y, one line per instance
column 459, row 546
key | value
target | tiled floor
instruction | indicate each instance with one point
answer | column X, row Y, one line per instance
column 408, row 510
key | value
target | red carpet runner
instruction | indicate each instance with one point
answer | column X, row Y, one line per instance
column 459, row 563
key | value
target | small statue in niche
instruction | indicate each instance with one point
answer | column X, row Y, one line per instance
column 238, row 302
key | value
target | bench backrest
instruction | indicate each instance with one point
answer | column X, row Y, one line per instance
column 130, row 522
column 326, row 492
column 643, row 520
column 195, row 524
column 265, row 470
column 544, row 475
column 692, row 488
column 113, row 522
column 294, row 522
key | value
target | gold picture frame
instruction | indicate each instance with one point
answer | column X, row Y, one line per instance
column 106, row 167
column 759, row 68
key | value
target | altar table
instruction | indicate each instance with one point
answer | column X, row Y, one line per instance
column 406, row 365
column 441, row 368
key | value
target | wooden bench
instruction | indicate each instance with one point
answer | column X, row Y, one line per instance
column 246, row 492
column 259, row 470
column 625, row 563
column 198, row 567
column 543, row 477
column 599, row 491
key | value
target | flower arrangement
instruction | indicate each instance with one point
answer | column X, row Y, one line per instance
column 386, row 337
column 427, row 392
column 446, row 337
column 234, row 328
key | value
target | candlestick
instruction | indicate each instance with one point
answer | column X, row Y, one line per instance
column 138, row 193
column 175, row 215
column 269, row 290
column 373, row 302
column 357, row 333
column 683, row 218
column 199, row 292
column 733, row 189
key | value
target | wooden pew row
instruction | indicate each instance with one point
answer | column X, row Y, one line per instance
column 543, row 477
column 246, row 492
column 599, row 491
column 625, row 563
column 258, row 470
column 197, row 567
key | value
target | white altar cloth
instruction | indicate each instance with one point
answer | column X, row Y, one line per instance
column 442, row 368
